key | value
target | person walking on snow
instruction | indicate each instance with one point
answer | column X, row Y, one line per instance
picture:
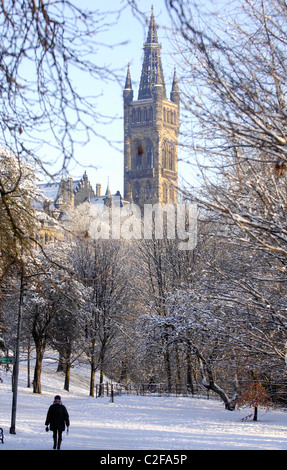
column 57, row 418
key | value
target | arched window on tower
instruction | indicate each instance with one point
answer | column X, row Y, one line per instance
column 148, row 190
column 139, row 155
column 164, row 156
column 168, row 155
column 172, row 156
column 137, row 190
column 139, row 115
column 149, row 151
column 165, row 192
column 138, row 161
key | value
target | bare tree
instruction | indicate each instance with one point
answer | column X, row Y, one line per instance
column 160, row 270
column 234, row 86
column 98, row 264
column 52, row 295
column 48, row 50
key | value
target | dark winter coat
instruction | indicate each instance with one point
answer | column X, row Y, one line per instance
column 57, row 417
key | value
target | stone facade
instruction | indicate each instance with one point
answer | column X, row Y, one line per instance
column 66, row 195
column 59, row 198
column 151, row 128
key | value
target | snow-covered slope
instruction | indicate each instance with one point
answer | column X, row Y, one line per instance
column 132, row 422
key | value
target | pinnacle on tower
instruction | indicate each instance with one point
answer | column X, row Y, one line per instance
column 128, row 91
column 128, row 85
column 152, row 65
column 175, row 94
column 158, row 87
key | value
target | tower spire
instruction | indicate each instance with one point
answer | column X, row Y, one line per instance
column 151, row 129
column 152, row 65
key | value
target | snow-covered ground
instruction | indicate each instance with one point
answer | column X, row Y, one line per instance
column 133, row 422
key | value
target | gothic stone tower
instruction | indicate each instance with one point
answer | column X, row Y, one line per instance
column 151, row 127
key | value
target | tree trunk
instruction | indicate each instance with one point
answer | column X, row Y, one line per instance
column 101, row 365
column 29, row 365
column 209, row 384
column 167, row 362
column 189, row 380
column 38, row 370
column 255, row 413
column 93, row 369
column 92, row 381
column 61, row 362
column 67, row 374
column 168, row 371
column 101, row 381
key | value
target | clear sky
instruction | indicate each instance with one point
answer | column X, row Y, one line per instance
column 109, row 161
